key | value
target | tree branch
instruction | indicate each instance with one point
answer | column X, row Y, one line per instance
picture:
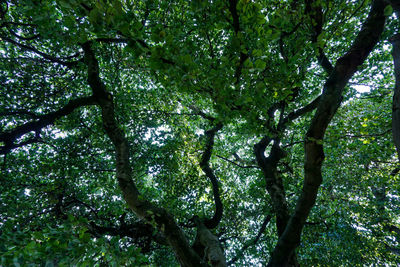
column 395, row 40
column 274, row 184
column 9, row 137
column 314, row 10
column 201, row 113
column 17, row 113
column 139, row 231
column 252, row 242
column 240, row 166
column 300, row 112
column 208, row 245
column 205, row 166
column 235, row 15
column 331, row 98
column 22, row 37
column 44, row 55
column 151, row 213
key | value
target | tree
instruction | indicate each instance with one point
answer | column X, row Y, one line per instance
column 193, row 133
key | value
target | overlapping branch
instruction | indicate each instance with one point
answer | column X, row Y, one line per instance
column 273, row 181
column 300, row 112
column 331, row 98
column 142, row 233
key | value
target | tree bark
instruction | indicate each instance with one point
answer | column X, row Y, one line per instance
column 209, row 245
column 274, row 184
column 9, row 137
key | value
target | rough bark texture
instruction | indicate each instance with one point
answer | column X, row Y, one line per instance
column 156, row 216
column 269, row 167
column 209, row 244
column 331, row 98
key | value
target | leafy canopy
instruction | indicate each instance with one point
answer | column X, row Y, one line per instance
column 142, row 132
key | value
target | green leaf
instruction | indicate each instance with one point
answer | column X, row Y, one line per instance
column 260, row 64
column 257, row 52
column 388, row 10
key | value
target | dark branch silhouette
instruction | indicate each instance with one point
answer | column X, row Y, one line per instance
column 41, row 121
column 205, row 166
column 330, row 101
column 44, row 55
column 252, row 242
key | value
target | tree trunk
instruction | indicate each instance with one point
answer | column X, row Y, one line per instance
column 208, row 245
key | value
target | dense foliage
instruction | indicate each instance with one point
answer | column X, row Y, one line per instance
column 199, row 133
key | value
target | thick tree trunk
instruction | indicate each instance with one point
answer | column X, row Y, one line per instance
column 208, row 245
column 331, row 98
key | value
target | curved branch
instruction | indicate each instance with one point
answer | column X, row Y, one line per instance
column 300, row 112
column 205, row 166
column 274, row 183
column 44, row 55
column 151, row 213
column 236, row 28
column 317, row 20
column 9, row 137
